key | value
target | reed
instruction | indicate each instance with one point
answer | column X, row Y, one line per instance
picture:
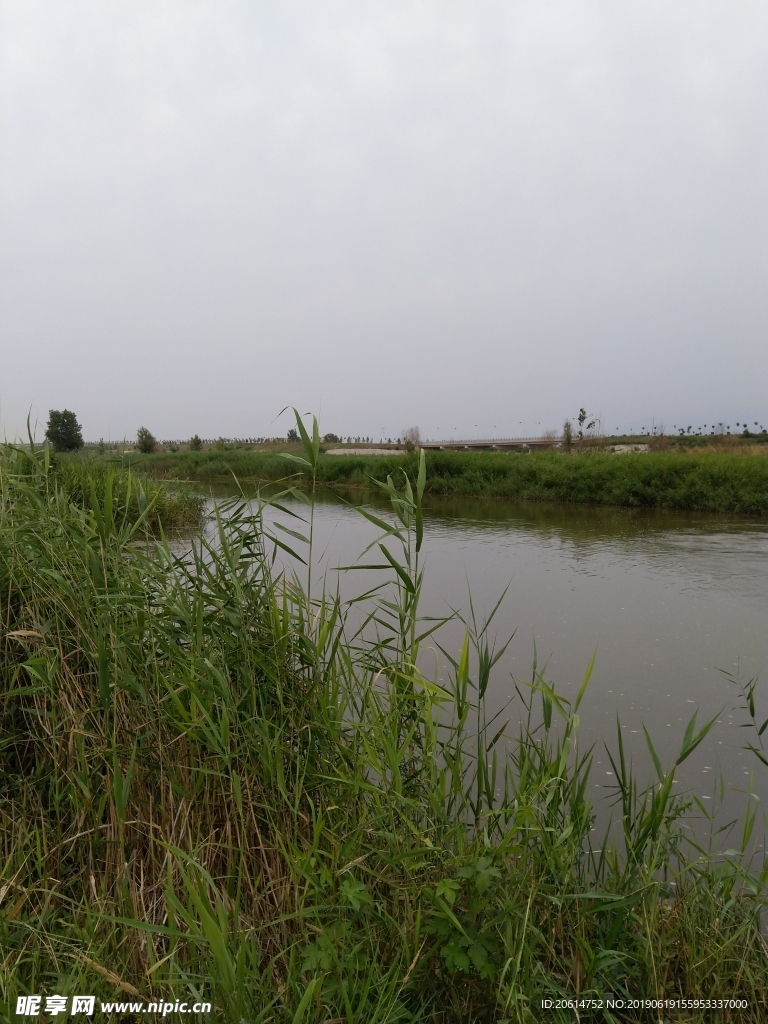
column 219, row 782
column 125, row 493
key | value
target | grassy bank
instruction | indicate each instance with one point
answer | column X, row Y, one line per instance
column 211, row 787
column 704, row 482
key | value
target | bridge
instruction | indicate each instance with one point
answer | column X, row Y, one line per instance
column 508, row 444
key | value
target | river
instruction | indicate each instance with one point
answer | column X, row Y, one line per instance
column 675, row 606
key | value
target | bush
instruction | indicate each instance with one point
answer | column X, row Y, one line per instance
column 195, row 444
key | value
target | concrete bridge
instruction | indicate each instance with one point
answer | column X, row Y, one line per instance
column 509, row 444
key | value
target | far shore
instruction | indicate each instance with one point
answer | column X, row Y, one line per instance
column 703, row 482
column 365, row 451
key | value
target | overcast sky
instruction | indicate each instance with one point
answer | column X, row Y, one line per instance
column 475, row 217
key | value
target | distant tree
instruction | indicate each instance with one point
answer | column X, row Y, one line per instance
column 589, row 426
column 195, row 444
column 293, row 434
column 568, row 435
column 411, row 438
column 102, row 446
column 145, row 441
column 64, row 432
column 331, row 438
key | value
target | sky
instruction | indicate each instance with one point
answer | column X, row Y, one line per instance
column 473, row 217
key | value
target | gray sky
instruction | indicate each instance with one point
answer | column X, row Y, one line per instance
column 475, row 216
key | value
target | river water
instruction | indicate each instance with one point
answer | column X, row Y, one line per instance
column 674, row 605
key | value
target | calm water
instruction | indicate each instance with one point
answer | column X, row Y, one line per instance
column 669, row 602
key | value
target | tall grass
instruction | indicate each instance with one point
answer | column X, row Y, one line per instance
column 706, row 482
column 212, row 785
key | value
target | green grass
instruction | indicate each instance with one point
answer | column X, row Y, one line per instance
column 694, row 481
column 213, row 786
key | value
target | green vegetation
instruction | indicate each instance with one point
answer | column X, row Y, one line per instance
column 145, row 441
column 130, row 495
column 568, row 436
column 717, row 483
column 95, row 487
column 698, row 481
column 584, row 427
column 745, row 443
column 63, row 431
column 213, row 786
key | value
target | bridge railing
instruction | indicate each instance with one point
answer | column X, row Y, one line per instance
column 494, row 440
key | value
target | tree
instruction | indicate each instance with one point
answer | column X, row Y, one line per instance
column 145, row 441
column 195, row 444
column 590, row 425
column 568, row 435
column 63, row 431
column 331, row 439
column 411, row 438
column 293, row 434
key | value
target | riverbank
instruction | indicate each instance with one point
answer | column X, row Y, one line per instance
column 207, row 792
column 709, row 482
